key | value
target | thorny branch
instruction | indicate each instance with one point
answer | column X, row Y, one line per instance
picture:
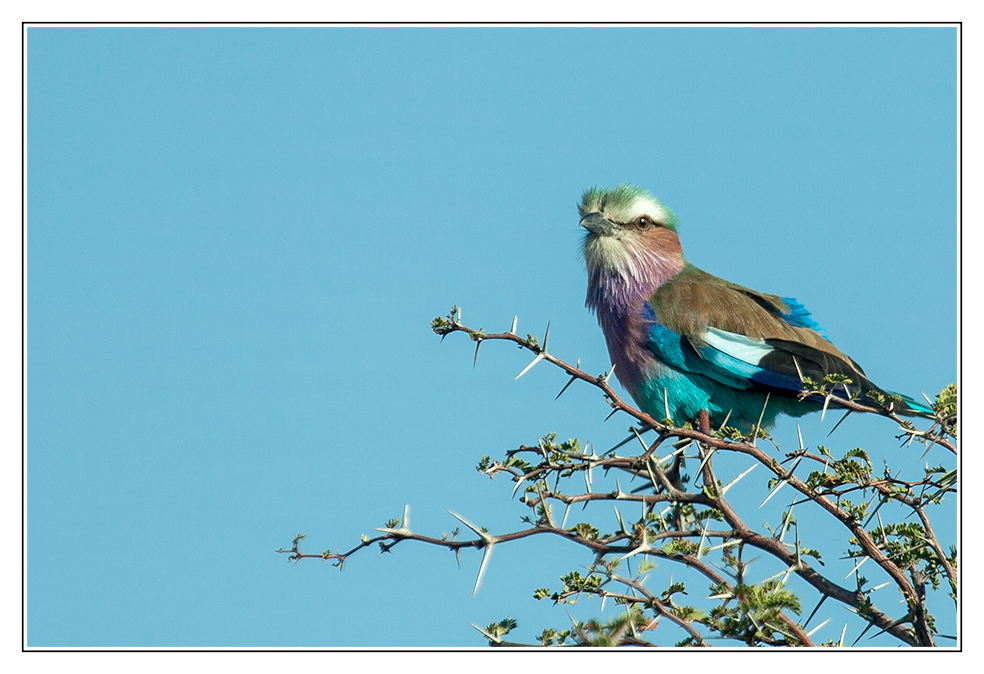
column 762, row 608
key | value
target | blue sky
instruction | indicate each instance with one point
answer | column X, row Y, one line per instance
column 237, row 238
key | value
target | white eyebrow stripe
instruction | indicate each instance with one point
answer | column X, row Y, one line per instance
column 643, row 206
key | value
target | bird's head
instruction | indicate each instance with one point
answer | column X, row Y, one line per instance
column 630, row 234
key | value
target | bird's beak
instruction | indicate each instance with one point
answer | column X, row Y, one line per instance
column 596, row 223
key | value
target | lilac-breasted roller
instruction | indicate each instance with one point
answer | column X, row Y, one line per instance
column 683, row 340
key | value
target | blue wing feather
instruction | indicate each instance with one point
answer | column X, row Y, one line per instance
column 726, row 357
column 800, row 317
column 741, row 356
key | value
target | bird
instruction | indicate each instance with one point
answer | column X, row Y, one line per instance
column 683, row 341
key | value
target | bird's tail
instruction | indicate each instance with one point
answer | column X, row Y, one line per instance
column 889, row 401
column 913, row 408
column 900, row 404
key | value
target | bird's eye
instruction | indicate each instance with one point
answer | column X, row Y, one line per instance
column 644, row 223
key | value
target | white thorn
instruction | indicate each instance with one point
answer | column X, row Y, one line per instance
column 759, row 424
column 512, row 330
column 863, row 560
column 798, row 370
column 705, row 459
column 489, row 540
column 573, row 622
column 404, row 529
column 481, row 570
column 536, row 360
column 723, row 545
column 725, row 422
column 781, row 482
column 643, row 546
column 826, row 401
column 703, row 537
column 618, row 516
column 490, row 637
column 666, row 404
column 815, row 629
column 786, row 520
column 546, row 509
column 520, row 481
column 652, row 478
column 669, row 457
column 546, row 336
column 800, row 434
column 735, row 481
column 783, row 573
